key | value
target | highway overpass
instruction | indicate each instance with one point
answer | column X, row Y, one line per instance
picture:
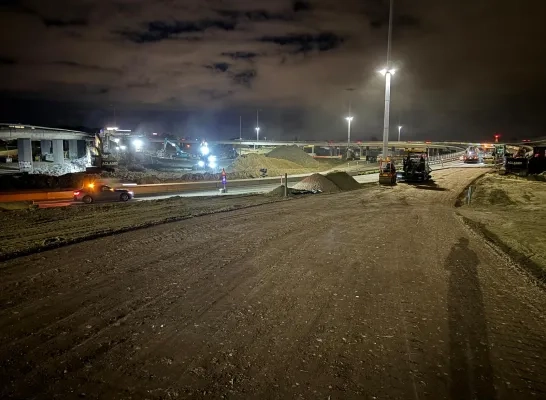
column 51, row 148
column 36, row 133
column 455, row 146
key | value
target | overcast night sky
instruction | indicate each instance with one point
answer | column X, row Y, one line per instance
column 466, row 68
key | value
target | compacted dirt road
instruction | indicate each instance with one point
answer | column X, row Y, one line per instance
column 380, row 293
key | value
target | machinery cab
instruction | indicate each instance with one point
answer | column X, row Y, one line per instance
column 387, row 172
column 416, row 166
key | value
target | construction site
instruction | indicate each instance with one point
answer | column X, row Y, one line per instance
column 331, row 288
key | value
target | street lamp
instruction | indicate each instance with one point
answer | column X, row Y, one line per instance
column 349, row 120
column 257, row 135
column 257, row 127
column 387, row 72
column 399, row 130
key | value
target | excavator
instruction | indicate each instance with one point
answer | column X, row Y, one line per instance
column 179, row 152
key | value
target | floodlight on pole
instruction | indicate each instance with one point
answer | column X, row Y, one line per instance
column 387, row 72
column 349, row 119
column 257, row 127
column 399, row 130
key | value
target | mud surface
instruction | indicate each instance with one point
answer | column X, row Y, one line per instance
column 368, row 294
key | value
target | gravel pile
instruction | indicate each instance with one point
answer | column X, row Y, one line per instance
column 317, row 182
column 343, row 180
column 294, row 154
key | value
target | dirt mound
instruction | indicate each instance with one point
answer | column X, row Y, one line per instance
column 252, row 163
column 294, row 154
column 343, row 180
column 278, row 192
column 317, row 182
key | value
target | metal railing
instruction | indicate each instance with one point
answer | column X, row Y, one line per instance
column 445, row 158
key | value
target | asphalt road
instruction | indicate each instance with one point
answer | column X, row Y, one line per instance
column 234, row 189
column 373, row 294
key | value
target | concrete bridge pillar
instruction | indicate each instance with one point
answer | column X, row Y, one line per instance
column 72, row 149
column 45, row 147
column 58, row 151
column 24, row 150
column 24, row 154
column 82, row 148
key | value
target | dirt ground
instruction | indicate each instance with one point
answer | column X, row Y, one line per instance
column 511, row 209
column 381, row 293
column 31, row 229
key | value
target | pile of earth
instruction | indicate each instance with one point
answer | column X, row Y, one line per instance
column 343, row 180
column 149, row 176
column 317, row 183
column 279, row 192
column 251, row 164
column 294, row 154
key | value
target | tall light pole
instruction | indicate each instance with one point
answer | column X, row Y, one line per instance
column 388, row 72
column 349, row 120
column 399, row 130
column 257, row 127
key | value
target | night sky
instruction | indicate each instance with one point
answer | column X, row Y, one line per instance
column 466, row 68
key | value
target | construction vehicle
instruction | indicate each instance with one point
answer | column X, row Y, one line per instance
column 522, row 165
column 516, row 165
column 471, row 155
column 179, row 152
column 537, row 163
column 416, row 166
column 387, row 172
column 102, row 159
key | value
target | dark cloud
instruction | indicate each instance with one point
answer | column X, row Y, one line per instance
column 7, row 61
column 245, row 78
column 221, row 66
column 400, row 21
column 255, row 15
column 59, row 23
column 304, row 43
column 86, row 67
column 301, row 5
column 240, row 55
column 161, row 30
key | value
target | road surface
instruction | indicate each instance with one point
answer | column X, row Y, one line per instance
column 235, row 189
column 372, row 294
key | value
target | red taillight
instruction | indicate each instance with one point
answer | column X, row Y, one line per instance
column 76, row 193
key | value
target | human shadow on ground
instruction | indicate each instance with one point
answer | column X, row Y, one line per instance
column 470, row 365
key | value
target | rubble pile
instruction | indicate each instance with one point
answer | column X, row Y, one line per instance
column 294, row 154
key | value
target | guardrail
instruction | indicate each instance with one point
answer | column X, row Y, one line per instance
column 445, row 158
